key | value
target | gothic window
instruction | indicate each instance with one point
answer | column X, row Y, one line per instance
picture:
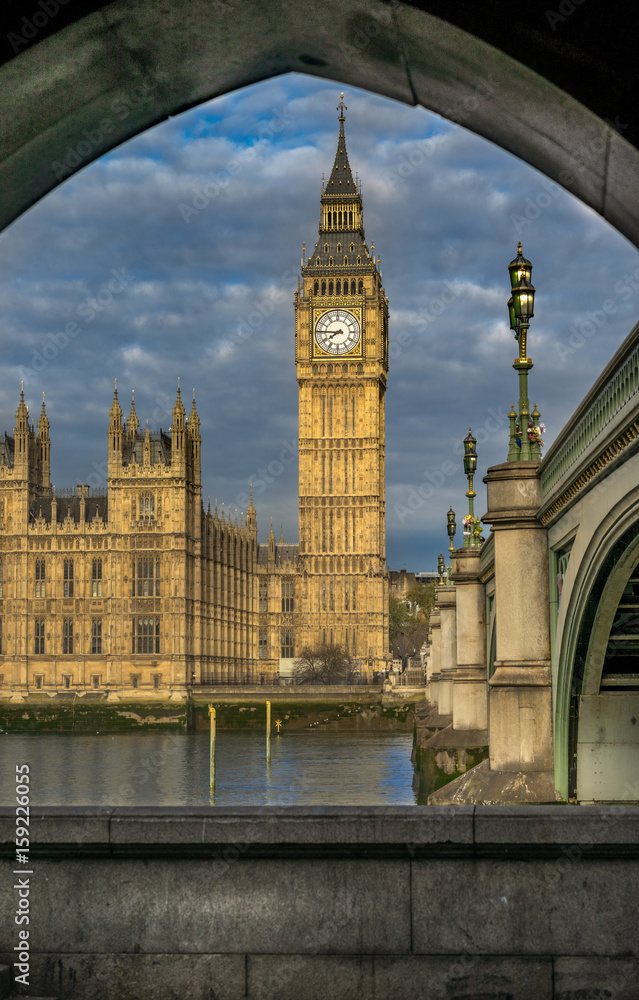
column 67, row 680
column 360, row 287
column 338, row 287
column 317, row 261
column 286, row 643
column 134, row 680
column 156, row 680
column 0, row 636
column 352, row 244
column 352, row 286
column 346, row 602
column 359, row 260
column 146, row 577
column 326, row 248
column 360, row 369
column 323, row 287
column 354, row 650
column 68, row 577
column 339, row 247
column 147, row 507
column 67, row 636
column 39, row 636
column 40, row 582
column 38, row 681
column 353, row 606
column 263, row 595
column 330, row 369
column 316, row 288
column 330, row 286
column 331, row 261
column 133, row 505
column 345, row 369
column 96, row 635
column 288, row 595
column 334, row 219
column 0, row 578
column 146, row 635
column 315, row 369
column 332, row 597
column 96, row 680
column 263, row 645
column 345, row 262
column 96, row 578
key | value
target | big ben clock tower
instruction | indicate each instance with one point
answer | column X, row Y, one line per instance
column 341, row 355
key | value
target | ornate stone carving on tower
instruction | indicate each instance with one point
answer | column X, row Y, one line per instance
column 341, row 355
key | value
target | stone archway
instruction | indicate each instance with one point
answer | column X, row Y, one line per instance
column 78, row 82
column 596, row 739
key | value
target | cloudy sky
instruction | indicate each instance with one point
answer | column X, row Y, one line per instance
column 188, row 241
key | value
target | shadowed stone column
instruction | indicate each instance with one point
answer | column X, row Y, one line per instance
column 435, row 662
column 470, row 694
column 520, row 692
column 448, row 648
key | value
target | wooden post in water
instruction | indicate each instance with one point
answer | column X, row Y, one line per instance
column 268, row 732
column 212, row 745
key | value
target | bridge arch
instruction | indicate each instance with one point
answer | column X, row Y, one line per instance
column 93, row 77
column 596, row 741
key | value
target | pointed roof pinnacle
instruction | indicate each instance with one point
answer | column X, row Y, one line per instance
column 43, row 422
column 116, row 409
column 179, row 405
column 271, row 533
column 341, row 180
column 281, row 542
column 133, row 423
column 251, row 508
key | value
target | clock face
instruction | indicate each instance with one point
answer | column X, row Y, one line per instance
column 337, row 331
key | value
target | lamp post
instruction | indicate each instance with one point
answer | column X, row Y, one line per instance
column 451, row 527
column 441, row 569
column 470, row 467
column 523, row 426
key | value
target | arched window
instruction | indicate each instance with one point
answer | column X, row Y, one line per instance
column 345, row 369
column 317, row 261
column 331, row 261
column 352, row 286
column 339, row 247
column 323, row 288
column 350, row 220
column 68, row 577
column 326, row 248
column 315, row 369
column 338, row 287
column 330, row 369
column 352, row 244
column 359, row 260
column 360, row 287
column 360, row 369
column 147, row 507
column 330, row 288
column 345, row 259
column 316, row 288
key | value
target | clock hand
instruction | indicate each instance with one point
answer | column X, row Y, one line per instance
column 335, row 333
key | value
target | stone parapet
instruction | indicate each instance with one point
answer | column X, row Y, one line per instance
column 267, row 902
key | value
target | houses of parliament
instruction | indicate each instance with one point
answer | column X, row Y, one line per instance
column 137, row 589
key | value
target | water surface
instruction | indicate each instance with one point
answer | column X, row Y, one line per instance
column 169, row 769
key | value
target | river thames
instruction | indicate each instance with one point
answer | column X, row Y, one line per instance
column 171, row 769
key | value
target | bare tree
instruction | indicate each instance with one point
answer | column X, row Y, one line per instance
column 326, row 664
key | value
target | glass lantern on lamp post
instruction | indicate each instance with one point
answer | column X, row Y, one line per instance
column 451, row 527
column 525, row 436
column 472, row 525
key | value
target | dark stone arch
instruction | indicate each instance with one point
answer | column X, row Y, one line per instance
column 561, row 97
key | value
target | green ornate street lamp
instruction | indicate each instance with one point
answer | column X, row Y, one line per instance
column 525, row 434
column 441, row 568
column 472, row 527
column 451, row 527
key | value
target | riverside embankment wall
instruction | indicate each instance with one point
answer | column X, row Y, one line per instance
column 524, row 903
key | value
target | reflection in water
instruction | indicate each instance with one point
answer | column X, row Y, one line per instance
column 307, row 768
